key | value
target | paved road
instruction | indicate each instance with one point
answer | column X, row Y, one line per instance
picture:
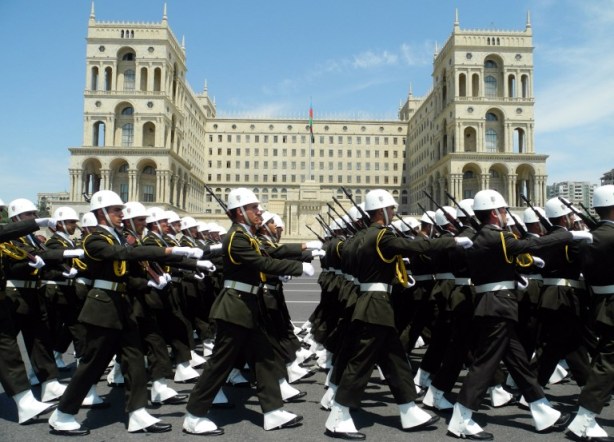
column 378, row 417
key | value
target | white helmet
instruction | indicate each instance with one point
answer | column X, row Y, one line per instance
column 400, row 226
column 428, row 217
column 240, row 197
column 378, row 199
column 604, row 196
column 440, row 217
column 105, row 198
column 221, row 230
column 278, row 221
column 529, row 216
column 89, row 220
column 488, row 199
column 203, row 227
column 65, row 214
column 187, row 222
column 412, row 222
column 336, row 224
column 155, row 214
column 21, row 205
column 172, row 217
column 267, row 217
column 467, row 205
column 355, row 213
column 555, row 208
column 509, row 221
column 134, row 209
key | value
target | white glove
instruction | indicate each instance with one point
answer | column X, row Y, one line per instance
column 318, row 252
column 73, row 253
column 538, row 262
column 166, row 276
column 406, row 260
column 308, row 269
column 38, row 262
column 71, row 273
column 157, row 285
column 215, row 247
column 190, row 252
column 199, row 276
column 205, row 264
column 463, row 242
column 523, row 283
column 46, row 222
column 582, row 236
column 314, row 244
column 285, row 278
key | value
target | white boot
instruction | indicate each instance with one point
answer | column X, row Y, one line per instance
column 419, row 342
column 287, row 390
column 544, row 416
column 208, row 347
column 461, row 424
column 413, row 416
column 184, row 372
column 160, row 391
column 28, row 407
column 296, row 372
column 499, row 396
column 236, row 378
column 63, row 421
column 92, row 397
column 200, row 425
column 280, row 419
column 557, row 375
column 339, row 420
column 380, row 373
column 51, row 390
column 329, row 396
column 324, row 359
column 115, row 376
column 196, row 360
column 59, row 362
column 329, row 375
column 585, row 426
column 140, row 419
column 422, row 379
column 302, row 355
column 434, row 398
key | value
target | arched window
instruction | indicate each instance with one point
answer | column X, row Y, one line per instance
column 127, row 134
column 491, row 117
column 494, row 174
column 128, row 57
column 129, row 78
column 149, row 170
column 490, row 86
column 468, row 175
column 128, row 110
column 489, row 64
column 491, row 140
column 123, row 168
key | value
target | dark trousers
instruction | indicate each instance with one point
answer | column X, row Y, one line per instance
column 231, row 343
column 600, row 382
column 497, row 341
column 100, row 346
column 372, row 344
column 13, row 375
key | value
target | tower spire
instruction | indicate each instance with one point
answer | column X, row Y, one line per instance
column 528, row 18
column 92, row 13
column 456, row 21
column 206, row 88
column 411, row 93
column 164, row 17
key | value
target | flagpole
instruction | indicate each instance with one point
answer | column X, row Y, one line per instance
column 310, row 139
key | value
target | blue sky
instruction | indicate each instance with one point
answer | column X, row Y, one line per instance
column 353, row 58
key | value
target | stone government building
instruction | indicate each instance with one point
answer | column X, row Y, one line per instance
column 148, row 136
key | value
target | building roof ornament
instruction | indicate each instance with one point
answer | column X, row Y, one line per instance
column 164, row 17
column 456, row 22
column 92, row 13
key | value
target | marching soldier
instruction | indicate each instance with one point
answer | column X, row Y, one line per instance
column 239, row 321
column 109, row 322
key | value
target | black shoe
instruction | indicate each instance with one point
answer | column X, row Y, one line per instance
column 188, row 381
column 81, row 431
column 100, row 406
column 307, row 376
column 482, row 435
column 297, row 396
column 173, row 400
column 113, row 384
column 347, row 436
column 432, row 421
column 216, row 432
column 223, row 406
column 158, row 427
column 561, row 422
column 291, row 423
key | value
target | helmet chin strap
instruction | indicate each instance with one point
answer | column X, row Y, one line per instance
column 386, row 219
column 245, row 218
column 501, row 224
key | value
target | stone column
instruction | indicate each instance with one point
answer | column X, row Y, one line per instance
column 511, row 190
column 133, row 187
column 105, row 175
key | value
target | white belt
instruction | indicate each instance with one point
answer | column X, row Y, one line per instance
column 19, row 284
column 563, row 282
column 109, row 285
column 348, row 277
column 84, row 281
column 271, row 287
column 241, row 286
column 422, row 277
column 443, row 276
column 603, row 289
column 68, row 282
column 337, row 272
column 536, row 276
column 462, row 281
column 495, row 286
column 176, row 278
column 375, row 287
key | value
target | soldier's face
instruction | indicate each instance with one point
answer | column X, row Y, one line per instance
column 116, row 215
column 253, row 214
column 70, row 226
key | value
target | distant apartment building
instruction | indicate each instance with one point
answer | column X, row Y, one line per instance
column 607, row 178
column 575, row 191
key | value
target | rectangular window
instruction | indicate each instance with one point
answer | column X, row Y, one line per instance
column 227, row 164
column 211, row 140
column 293, row 152
column 266, row 164
column 303, row 139
column 321, row 139
column 376, row 179
column 228, row 151
column 237, row 178
column 256, row 164
column 274, row 164
column 219, row 164
column 349, row 179
column 340, row 139
column 237, row 164
column 385, row 141
column 349, row 140
column 219, row 177
column 265, row 178
column 376, row 153
column 220, row 138
column 303, row 152
column 358, row 179
column 284, row 153
column 275, row 138
column 331, row 140
column 246, row 178
column 368, row 180
column 293, row 178
column 367, row 140
column 358, row 140
column 266, row 138
column 257, row 138
column 275, row 151
column 266, row 152
column 293, row 165
column 247, row 138
column 123, row 191
column 377, row 141
column 238, row 139
column 293, row 139
column 229, row 138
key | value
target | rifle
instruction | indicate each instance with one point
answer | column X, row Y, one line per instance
column 350, row 227
column 588, row 213
column 519, row 226
column 542, row 219
column 590, row 222
column 411, row 229
column 317, row 236
column 474, row 222
column 456, row 223
column 324, row 226
column 219, row 201
column 437, row 226
column 346, row 212
column 364, row 215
